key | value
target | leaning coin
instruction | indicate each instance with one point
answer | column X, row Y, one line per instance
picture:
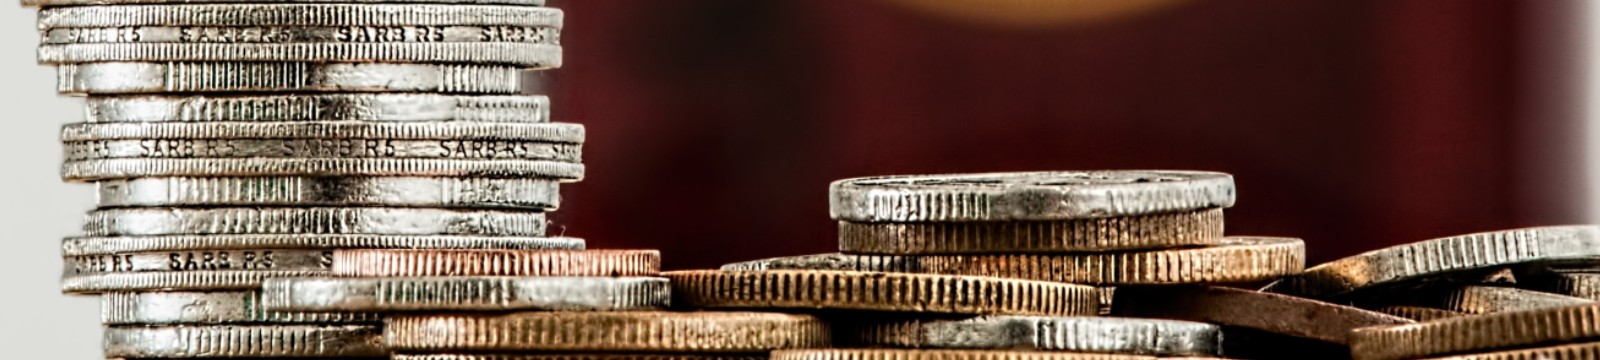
column 293, row 14
column 1579, row 284
column 210, row 280
column 1234, row 259
column 1588, row 350
column 1076, row 334
column 398, row 262
column 1441, row 257
column 199, row 260
column 524, row 55
column 830, row 261
column 322, row 148
column 312, row 220
column 1166, row 230
column 628, row 331
column 1418, row 313
column 397, row 191
column 879, row 291
column 462, row 293
column 1469, row 334
column 186, row 77
column 1272, row 313
column 244, row 341
column 1027, row 196
column 109, row 169
column 55, row 3
column 595, row 356
column 921, row 354
column 1472, row 299
column 115, row 246
column 225, row 307
column 318, row 107
column 327, row 130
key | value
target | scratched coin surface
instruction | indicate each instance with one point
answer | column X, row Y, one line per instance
column 629, row 331
column 311, row 220
column 398, row 262
column 1165, row 230
column 221, row 307
column 1074, row 334
column 465, row 293
column 394, row 191
column 879, row 291
column 317, row 107
column 1479, row 333
column 1027, row 196
column 257, row 341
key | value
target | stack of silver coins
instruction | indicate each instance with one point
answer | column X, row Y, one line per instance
column 236, row 142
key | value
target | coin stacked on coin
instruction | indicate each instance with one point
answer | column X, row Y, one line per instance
column 233, row 142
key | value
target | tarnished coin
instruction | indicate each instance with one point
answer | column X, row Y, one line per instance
column 1442, row 256
column 199, row 260
column 1076, row 334
column 879, row 291
column 831, row 261
column 1272, row 313
column 1027, row 196
column 1418, row 313
column 596, row 356
column 223, row 307
column 463, row 293
column 1587, row 350
column 1578, row 284
column 1164, row 230
column 396, row 191
column 1234, row 259
column 1469, row 334
column 312, row 220
column 318, row 107
column 1472, row 299
column 110, row 169
column 299, row 14
column 923, row 354
column 437, row 262
column 208, row 280
column 326, row 130
column 630, row 331
column 54, row 3
column 525, row 55
column 191, row 77
column 244, row 341
column 115, row 246
column 248, row 34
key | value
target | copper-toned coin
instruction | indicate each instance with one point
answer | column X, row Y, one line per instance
column 1472, row 299
column 1234, row 259
column 879, row 291
column 1470, row 334
column 643, row 331
column 1418, row 313
column 388, row 262
column 1583, row 284
column 465, row 293
column 1165, row 230
column 919, row 354
column 1590, row 350
column 1273, row 313
column 595, row 356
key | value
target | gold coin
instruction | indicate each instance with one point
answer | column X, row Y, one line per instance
column 1568, row 351
column 916, row 354
column 1164, row 230
column 1234, row 259
column 389, row 262
column 1418, row 313
column 1240, row 308
column 879, row 291
column 1469, row 334
column 630, row 331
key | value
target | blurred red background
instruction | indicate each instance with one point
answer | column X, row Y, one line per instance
column 716, row 125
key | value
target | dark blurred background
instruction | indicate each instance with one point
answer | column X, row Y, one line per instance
column 716, row 125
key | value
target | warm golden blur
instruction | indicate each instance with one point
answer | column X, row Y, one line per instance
column 1036, row 13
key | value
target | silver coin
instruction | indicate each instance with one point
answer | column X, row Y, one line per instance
column 188, row 77
column 831, row 261
column 444, row 130
column 87, row 246
column 315, row 34
column 213, row 308
column 319, row 107
column 221, row 280
column 54, row 3
column 322, row 149
column 461, row 293
column 109, row 169
column 1027, row 196
column 290, row 14
column 543, row 194
column 244, row 341
column 529, row 56
column 199, row 260
column 316, row 220
column 1067, row 333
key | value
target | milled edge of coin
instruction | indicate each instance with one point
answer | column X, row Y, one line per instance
column 542, row 194
column 318, row 107
column 108, row 169
column 880, row 291
column 443, row 130
column 594, row 356
column 462, row 293
column 1418, row 313
column 829, row 261
column 1234, row 259
column 943, row 354
column 294, row 14
column 646, row 331
column 1310, row 319
column 55, row 3
column 243, row 341
column 1468, row 334
column 1077, row 334
column 1589, row 350
column 226, row 307
column 439, row 262
column 870, row 200
column 88, row 246
column 529, row 56
column 1136, row 232
column 1471, row 299
column 199, row 260
column 1441, row 256
column 314, row 220
column 1578, row 284
column 331, row 148
column 175, row 281
column 266, row 77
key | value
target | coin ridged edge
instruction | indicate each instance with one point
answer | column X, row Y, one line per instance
column 163, row 281
column 317, row 107
column 91, row 170
column 850, row 201
column 443, row 130
column 127, row 308
column 395, row 262
column 1166, row 230
column 1077, row 334
column 292, row 14
column 82, row 246
column 881, row 291
column 243, row 341
column 1566, row 351
column 223, row 77
column 1476, row 333
column 321, row 220
column 530, row 56
column 1418, row 313
column 585, row 356
column 464, row 293
column 1236, row 259
column 703, row 332
column 397, row 191
column 914, row 354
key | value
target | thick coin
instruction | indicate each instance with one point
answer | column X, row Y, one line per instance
column 396, row 262
column 211, row 280
column 244, row 341
column 596, row 356
column 1076, row 334
column 830, row 261
column 115, row 246
column 879, row 291
column 1234, row 259
column 1097, row 234
column 630, row 331
column 1469, row 334
column 199, row 260
column 55, row 3
column 1588, row 350
column 525, row 55
column 322, row 148
column 289, row 14
column 189, row 77
column 462, row 293
column 1418, row 313
column 225, row 307
column 1442, row 256
column 110, row 169
column 312, row 220
column 399, row 191
column 1272, row 313
column 319, row 107
column 921, row 354
column 332, row 130
column 1571, row 283
column 1027, row 196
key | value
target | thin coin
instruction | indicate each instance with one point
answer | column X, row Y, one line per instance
column 524, row 55
column 244, row 341
column 54, row 3
column 398, row 262
column 257, row 34
column 199, row 260
column 879, row 291
column 318, row 107
column 1027, row 196
column 1234, row 259
column 1076, row 334
column 1578, row 284
column 597, row 356
column 201, row 308
column 443, row 130
column 191, row 77
column 1590, row 350
column 82, row 246
column 290, row 14
column 1471, row 334
column 1472, row 299
column 1442, row 256
column 110, row 169
column 830, row 261
column 1164, row 230
column 631, row 331
column 1418, row 313
column 312, row 220
column 943, row 354
column 210, row 280
column 322, row 148
column 1272, row 313
column 398, row 191
column 462, row 293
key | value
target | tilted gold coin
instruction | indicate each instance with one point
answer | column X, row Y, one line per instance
column 1468, row 334
column 1418, row 313
column 1163, row 230
column 371, row 262
column 640, row 331
column 1568, row 351
column 1234, row 259
column 1271, row 313
column 879, row 291
column 918, row 354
